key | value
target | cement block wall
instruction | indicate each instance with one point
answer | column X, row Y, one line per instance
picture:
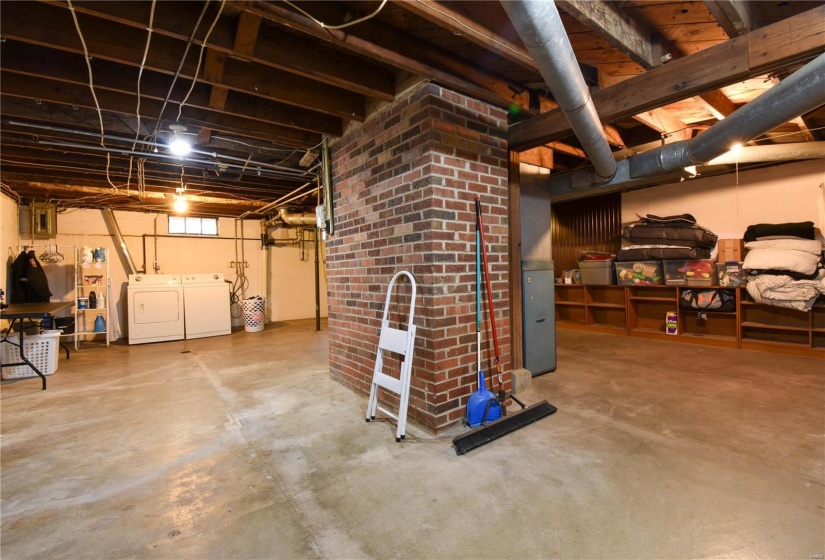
column 291, row 280
column 404, row 190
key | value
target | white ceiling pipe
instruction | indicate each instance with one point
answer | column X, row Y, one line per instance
column 539, row 25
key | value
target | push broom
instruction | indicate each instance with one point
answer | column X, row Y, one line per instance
column 506, row 424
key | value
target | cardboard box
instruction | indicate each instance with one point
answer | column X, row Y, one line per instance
column 731, row 250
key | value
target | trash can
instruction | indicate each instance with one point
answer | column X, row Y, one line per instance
column 253, row 313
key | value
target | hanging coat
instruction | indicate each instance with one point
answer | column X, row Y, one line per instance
column 35, row 284
column 18, row 272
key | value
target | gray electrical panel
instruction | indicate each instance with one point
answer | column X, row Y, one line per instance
column 538, row 316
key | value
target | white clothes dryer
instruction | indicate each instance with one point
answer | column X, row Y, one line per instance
column 155, row 308
column 206, row 304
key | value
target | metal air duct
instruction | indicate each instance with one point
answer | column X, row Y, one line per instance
column 120, row 243
column 539, row 25
column 802, row 92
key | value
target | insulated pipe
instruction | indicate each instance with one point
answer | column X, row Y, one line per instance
column 303, row 219
column 772, row 152
column 120, row 243
column 801, row 92
column 327, row 171
column 539, row 25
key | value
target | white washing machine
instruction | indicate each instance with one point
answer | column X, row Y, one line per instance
column 155, row 308
column 206, row 303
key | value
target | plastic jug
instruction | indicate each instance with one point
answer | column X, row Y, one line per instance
column 100, row 303
column 100, row 324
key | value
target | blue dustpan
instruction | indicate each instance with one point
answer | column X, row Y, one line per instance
column 482, row 402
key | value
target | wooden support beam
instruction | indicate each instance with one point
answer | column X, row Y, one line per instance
column 540, row 157
column 621, row 30
column 774, row 46
column 245, row 37
column 46, row 25
column 18, row 102
column 378, row 42
column 67, row 67
column 272, row 48
column 449, row 17
column 514, row 261
column 735, row 17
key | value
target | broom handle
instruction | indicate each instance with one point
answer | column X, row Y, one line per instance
column 478, row 307
column 489, row 296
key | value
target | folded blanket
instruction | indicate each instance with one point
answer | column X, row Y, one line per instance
column 784, row 291
column 807, row 245
column 805, row 230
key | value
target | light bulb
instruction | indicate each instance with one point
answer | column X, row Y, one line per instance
column 180, row 146
column 180, row 205
column 736, row 149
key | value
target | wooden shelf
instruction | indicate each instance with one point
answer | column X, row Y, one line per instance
column 641, row 311
column 767, row 326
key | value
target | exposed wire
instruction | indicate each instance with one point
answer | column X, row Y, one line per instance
column 343, row 25
column 140, row 75
column 200, row 58
column 178, row 71
column 88, row 59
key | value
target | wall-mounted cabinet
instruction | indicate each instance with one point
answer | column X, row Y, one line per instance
column 642, row 311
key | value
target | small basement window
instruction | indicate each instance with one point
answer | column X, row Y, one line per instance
column 193, row 226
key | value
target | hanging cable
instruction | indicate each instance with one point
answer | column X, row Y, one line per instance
column 343, row 25
column 178, row 71
column 92, row 87
column 140, row 75
column 200, row 59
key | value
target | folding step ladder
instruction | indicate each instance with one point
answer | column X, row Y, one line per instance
column 401, row 342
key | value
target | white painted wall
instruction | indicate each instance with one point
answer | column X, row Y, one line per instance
column 9, row 238
column 783, row 193
column 290, row 290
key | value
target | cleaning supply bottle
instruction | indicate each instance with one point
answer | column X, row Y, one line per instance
column 101, row 301
column 92, row 300
column 100, row 324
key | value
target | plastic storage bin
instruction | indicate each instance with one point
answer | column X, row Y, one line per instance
column 700, row 272
column 640, row 273
column 731, row 274
column 253, row 313
column 41, row 349
column 596, row 272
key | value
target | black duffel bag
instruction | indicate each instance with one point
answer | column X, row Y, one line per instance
column 708, row 300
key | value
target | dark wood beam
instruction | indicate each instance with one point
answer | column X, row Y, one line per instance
column 735, row 17
column 378, row 42
column 49, row 26
column 620, row 30
column 793, row 39
column 273, row 48
column 68, row 67
column 28, row 87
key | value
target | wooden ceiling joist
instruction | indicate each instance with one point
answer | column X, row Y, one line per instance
column 796, row 38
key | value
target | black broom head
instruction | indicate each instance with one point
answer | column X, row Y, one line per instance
column 505, row 425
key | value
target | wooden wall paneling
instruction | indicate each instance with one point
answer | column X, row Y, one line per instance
column 589, row 224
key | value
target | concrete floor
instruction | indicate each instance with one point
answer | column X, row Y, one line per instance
column 243, row 447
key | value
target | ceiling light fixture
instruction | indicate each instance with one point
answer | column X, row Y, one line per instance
column 181, row 204
column 179, row 145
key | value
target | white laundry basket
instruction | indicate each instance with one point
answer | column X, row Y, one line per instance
column 253, row 313
column 41, row 349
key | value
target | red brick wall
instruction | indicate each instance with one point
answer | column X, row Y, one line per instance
column 404, row 189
